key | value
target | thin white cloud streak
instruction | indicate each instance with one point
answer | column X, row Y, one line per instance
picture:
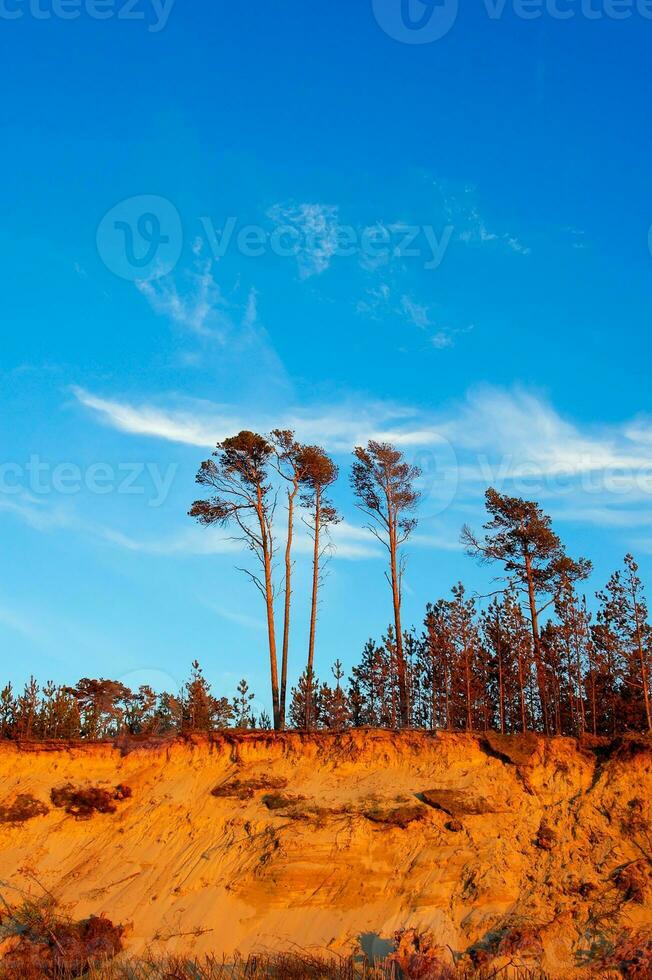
column 19, row 624
column 531, row 437
column 513, row 439
column 199, row 428
column 233, row 616
column 516, row 429
column 338, row 428
column 349, row 542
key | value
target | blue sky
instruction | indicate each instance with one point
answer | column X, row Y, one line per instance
column 511, row 155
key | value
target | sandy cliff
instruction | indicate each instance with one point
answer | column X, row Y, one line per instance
column 319, row 840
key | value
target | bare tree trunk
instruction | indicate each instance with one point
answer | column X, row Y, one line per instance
column 435, row 696
column 467, row 678
column 315, row 592
column 536, row 639
column 269, row 603
column 404, row 708
column 593, row 701
column 501, row 694
column 288, row 598
column 315, row 580
column 580, row 692
column 645, row 680
column 521, row 684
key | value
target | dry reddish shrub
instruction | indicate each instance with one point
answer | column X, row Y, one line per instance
column 546, row 836
column 524, row 940
column 400, row 816
column 631, row 955
column 418, row 956
column 244, row 789
column 634, row 821
column 83, row 802
column 24, row 807
column 279, row 801
column 632, row 881
column 42, row 942
column 455, row 826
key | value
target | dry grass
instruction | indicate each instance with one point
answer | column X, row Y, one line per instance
column 280, row 966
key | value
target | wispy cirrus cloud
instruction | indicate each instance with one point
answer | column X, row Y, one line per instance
column 511, row 438
column 317, row 227
column 380, row 301
column 198, row 306
column 339, row 427
column 198, row 425
column 462, row 210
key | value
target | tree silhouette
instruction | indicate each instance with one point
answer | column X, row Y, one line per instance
column 520, row 536
column 319, row 472
column 239, row 476
column 290, row 465
column 383, row 482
